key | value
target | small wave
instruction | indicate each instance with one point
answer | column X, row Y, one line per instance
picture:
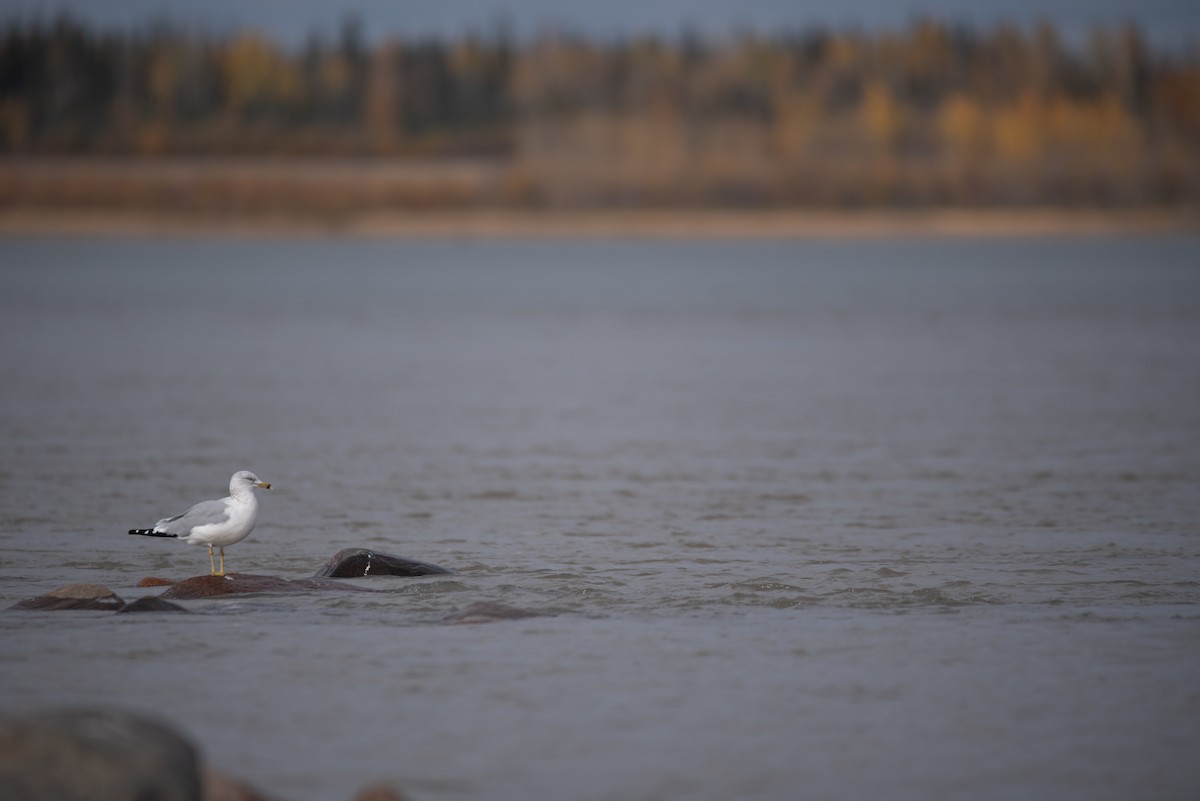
column 864, row 597
column 772, row 600
column 493, row 495
column 557, row 575
column 477, row 567
column 789, row 497
column 881, row 598
column 763, row 585
column 931, row 596
column 430, row 588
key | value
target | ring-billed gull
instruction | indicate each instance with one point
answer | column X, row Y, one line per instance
column 218, row 523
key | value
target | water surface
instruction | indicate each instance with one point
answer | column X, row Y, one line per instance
column 911, row 519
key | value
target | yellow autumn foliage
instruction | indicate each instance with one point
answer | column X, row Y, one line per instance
column 255, row 72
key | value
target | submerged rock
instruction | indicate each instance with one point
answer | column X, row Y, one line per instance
column 245, row 583
column 355, row 562
column 75, row 596
column 150, row 603
column 489, row 612
column 95, row 755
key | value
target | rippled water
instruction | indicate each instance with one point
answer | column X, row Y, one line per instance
column 905, row 519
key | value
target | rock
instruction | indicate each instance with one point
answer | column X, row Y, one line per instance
column 245, row 583
column 218, row 787
column 150, row 603
column 75, row 596
column 154, row 581
column 95, row 755
column 378, row 792
column 489, row 612
column 355, row 562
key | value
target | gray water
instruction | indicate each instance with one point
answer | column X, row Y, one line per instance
column 905, row 519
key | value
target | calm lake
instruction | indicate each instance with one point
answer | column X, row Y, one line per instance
column 904, row 519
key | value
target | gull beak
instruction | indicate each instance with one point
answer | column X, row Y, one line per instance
column 264, row 485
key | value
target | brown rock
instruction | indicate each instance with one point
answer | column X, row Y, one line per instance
column 154, row 581
column 246, row 583
column 356, row 562
column 218, row 787
column 75, row 596
column 378, row 792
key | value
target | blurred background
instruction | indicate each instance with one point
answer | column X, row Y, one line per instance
column 902, row 516
column 322, row 111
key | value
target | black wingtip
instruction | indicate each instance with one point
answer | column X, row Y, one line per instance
column 149, row 532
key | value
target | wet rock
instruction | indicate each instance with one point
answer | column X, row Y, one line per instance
column 154, row 581
column 245, row 583
column 489, row 612
column 150, row 603
column 95, row 755
column 75, row 596
column 355, row 562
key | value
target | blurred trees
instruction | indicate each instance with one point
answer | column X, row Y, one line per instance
column 933, row 115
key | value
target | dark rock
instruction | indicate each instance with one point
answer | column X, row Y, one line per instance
column 245, row 583
column 75, row 596
column 355, row 562
column 489, row 612
column 95, row 755
column 150, row 603
column 154, row 581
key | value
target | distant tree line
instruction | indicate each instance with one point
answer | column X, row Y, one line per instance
column 935, row 114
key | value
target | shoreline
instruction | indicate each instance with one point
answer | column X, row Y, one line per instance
column 699, row 224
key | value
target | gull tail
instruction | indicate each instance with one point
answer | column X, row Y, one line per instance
column 149, row 532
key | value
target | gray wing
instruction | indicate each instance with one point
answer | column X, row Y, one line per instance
column 202, row 514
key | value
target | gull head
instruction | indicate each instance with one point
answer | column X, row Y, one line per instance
column 244, row 478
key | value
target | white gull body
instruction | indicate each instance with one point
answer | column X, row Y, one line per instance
column 216, row 523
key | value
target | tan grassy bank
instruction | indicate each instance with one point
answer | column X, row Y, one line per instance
column 465, row 198
column 602, row 224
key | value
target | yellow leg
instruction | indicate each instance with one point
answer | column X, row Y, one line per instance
column 222, row 561
column 212, row 566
